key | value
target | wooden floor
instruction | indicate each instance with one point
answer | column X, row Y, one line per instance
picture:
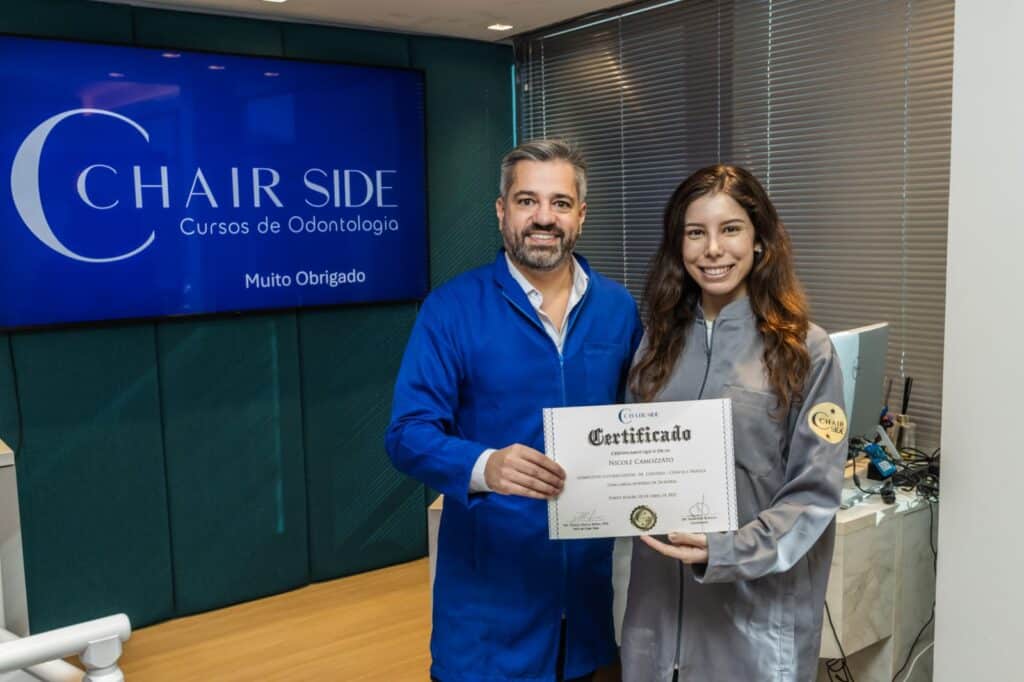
column 374, row 626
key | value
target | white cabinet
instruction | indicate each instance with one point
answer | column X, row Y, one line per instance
column 13, row 606
column 881, row 587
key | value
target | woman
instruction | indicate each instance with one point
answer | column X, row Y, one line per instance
column 728, row 319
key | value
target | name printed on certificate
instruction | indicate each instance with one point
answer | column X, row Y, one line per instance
column 648, row 468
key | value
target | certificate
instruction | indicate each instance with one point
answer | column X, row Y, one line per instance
column 647, row 468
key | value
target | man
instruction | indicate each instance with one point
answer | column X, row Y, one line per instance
column 537, row 328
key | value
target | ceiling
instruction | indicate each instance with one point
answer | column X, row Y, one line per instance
column 455, row 18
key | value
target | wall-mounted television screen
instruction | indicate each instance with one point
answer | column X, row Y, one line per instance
column 145, row 183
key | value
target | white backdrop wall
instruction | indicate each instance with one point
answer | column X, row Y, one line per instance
column 980, row 611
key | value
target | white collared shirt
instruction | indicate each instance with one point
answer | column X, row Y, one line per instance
column 580, row 281
column 579, row 287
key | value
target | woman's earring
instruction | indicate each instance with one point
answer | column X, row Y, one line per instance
column 758, row 250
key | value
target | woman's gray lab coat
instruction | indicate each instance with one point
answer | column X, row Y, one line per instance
column 753, row 613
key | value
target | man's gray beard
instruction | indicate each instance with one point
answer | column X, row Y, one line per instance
column 538, row 258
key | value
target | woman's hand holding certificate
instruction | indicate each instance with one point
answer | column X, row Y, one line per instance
column 649, row 468
column 690, row 548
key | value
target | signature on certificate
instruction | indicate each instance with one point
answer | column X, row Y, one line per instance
column 586, row 518
column 700, row 511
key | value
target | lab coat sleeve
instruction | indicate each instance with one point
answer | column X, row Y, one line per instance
column 805, row 505
column 423, row 438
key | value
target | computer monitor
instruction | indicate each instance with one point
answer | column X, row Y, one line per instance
column 862, row 354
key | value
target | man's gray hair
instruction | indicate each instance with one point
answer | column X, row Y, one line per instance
column 544, row 150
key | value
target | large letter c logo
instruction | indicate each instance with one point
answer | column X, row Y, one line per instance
column 25, row 185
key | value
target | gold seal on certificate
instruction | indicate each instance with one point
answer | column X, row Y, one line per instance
column 640, row 469
column 643, row 517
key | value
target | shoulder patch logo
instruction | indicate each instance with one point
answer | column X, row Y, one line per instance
column 828, row 421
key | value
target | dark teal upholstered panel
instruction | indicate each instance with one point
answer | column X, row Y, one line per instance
column 73, row 19
column 187, row 30
column 469, row 128
column 363, row 513
column 91, row 477
column 183, row 465
column 305, row 41
column 235, row 469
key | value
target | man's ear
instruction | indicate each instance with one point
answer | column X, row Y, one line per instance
column 499, row 210
column 583, row 215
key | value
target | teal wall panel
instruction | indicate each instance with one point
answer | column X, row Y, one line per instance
column 305, row 41
column 73, row 19
column 91, row 480
column 184, row 465
column 187, row 30
column 235, row 470
column 363, row 513
column 469, row 128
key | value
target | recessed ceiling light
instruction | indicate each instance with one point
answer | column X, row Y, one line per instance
column 215, row 67
column 271, row 74
column 171, row 55
column 275, row 0
column 500, row 27
column 116, row 74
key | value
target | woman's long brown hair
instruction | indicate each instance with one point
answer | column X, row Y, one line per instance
column 776, row 297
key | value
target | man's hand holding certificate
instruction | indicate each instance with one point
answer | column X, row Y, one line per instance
column 641, row 469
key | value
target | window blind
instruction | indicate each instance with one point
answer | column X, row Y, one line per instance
column 841, row 108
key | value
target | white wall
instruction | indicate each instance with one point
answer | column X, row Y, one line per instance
column 980, row 617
